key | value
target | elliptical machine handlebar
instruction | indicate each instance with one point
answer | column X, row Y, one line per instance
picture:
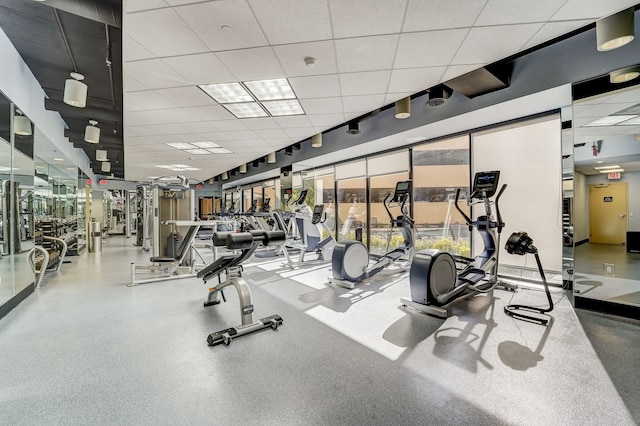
column 464, row 215
column 498, row 215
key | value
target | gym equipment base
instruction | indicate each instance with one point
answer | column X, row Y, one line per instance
column 225, row 336
column 383, row 274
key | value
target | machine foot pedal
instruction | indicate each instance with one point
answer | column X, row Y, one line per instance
column 214, row 302
column 225, row 336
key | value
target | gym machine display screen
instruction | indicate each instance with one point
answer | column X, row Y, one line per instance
column 486, row 182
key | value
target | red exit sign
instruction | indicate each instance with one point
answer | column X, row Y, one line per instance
column 615, row 175
column 103, row 181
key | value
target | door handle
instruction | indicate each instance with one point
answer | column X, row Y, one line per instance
column 622, row 216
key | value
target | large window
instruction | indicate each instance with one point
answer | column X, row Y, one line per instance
column 379, row 188
column 439, row 169
column 352, row 208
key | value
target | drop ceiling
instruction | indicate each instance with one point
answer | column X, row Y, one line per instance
column 367, row 54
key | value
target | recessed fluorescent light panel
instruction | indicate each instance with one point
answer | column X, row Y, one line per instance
column 219, row 151
column 180, row 145
column 612, row 170
column 246, row 110
column 225, row 93
column 610, row 120
column 198, row 151
column 178, row 167
column 281, row 108
column 270, row 90
column 250, row 99
column 205, row 144
column 607, row 167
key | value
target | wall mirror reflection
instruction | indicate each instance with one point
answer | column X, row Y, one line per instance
column 606, row 205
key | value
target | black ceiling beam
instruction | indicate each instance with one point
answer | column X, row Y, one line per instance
column 107, row 12
column 89, row 113
column 104, row 136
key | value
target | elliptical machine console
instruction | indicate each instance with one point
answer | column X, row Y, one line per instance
column 436, row 277
column 350, row 260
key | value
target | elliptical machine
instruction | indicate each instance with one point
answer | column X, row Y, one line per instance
column 435, row 277
column 351, row 258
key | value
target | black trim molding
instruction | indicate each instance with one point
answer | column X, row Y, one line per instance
column 628, row 311
column 579, row 243
column 15, row 300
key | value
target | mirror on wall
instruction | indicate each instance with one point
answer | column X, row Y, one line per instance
column 606, row 208
column 16, row 199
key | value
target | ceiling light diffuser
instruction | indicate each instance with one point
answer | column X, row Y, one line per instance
column 284, row 107
column 246, row 110
column 224, row 93
column 219, row 151
column 205, row 144
column 617, row 166
column 267, row 90
column 610, row 120
column 198, row 151
column 612, row 170
column 181, row 145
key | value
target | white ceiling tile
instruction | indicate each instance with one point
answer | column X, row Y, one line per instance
column 354, row 18
column 182, row 2
column 130, row 84
column 505, row 12
column 199, row 127
column 366, row 53
column 601, row 110
column 364, row 83
column 133, row 51
column 252, row 143
column 594, row 9
column 326, row 121
column 132, row 131
column 176, row 115
column 142, row 118
column 229, row 125
column 202, row 68
column 217, row 136
column 426, row 15
column 322, row 105
column 414, row 79
column 188, row 96
column 270, row 133
column 170, row 129
column 148, row 99
column 489, row 44
column 243, row 134
column 264, row 62
column 154, row 73
column 284, row 21
column 292, row 56
column 299, row 133
column 127, row 106
column 293, row 121
column 428, row 49
column 454, row 71
column 211, row 113
column 552, row 30
column 223, row 25
column 163, row 33
column 260, row 123
column 362, row 104
column 138, row 5
column 318, row 86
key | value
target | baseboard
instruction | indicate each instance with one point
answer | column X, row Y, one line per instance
column 15, row 300
column 579, row 243
column 628, row 311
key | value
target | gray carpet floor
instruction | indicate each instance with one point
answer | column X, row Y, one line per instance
column 87, row 349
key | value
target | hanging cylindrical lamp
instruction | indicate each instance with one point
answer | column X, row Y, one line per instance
column 615, row 31
column 106, row 167
column 403, row 108
column 625, row 74
column 243, row 168
column 75, row 91
column 91, row 132
column 271, row 158
column 225, row 175
column 21, row 125
column 316, row 140
column 101, row 155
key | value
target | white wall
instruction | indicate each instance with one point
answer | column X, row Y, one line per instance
column 21, row 87
column 528, row 155
column 580, row 207
column 633, row 180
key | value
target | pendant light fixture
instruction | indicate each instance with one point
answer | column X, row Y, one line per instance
column 271, row 158
column 91, row 132
column 225, row 175
column 75, row 91
column 106, row 167
column 354, row 128
column 101, row 155
column 625, row 74
column 21, row 124
column 403, row 108
column 243, row 168
column 615, row 31
column 316, row 140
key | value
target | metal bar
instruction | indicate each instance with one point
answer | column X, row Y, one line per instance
column 64, row 39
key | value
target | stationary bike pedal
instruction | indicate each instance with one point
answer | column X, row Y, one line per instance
column 214, row 302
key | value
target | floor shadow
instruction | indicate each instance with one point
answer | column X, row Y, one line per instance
column 520, row 357
column 412, row 328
